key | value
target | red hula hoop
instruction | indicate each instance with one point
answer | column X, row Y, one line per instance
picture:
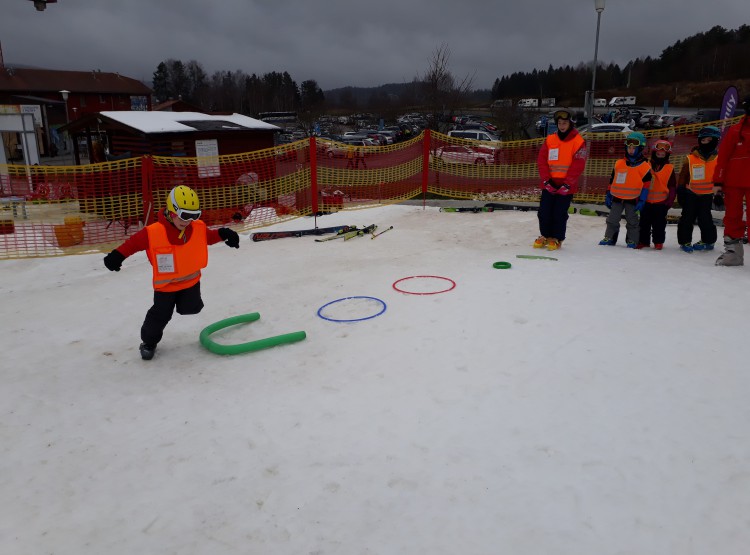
column 452, row 286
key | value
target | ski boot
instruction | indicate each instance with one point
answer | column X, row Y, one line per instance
column 701, row 246
column 640, row 246
column 147, row 351
column 687, row 247
column 631, row 245
column 734, row 253
column 607, row 241
column 540, row 242
column 553, row 244
column 658, row 246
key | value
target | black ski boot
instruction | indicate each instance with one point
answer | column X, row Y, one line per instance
column 147, row 351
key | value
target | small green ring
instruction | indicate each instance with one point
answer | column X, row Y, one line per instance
column 501, row 265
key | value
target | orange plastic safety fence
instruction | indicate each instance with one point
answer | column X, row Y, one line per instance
column 352, row 176
column 248, row 190
column 57, row 210
column 53, row 210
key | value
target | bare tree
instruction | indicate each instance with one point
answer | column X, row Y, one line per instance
column 443, row 93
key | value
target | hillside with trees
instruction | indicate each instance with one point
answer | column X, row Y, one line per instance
column 692, row 72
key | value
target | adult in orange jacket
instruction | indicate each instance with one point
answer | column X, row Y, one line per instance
column 732, row 180
column 561, row 161
column 177, row 248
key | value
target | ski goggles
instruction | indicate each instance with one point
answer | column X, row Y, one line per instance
column 561, row 114
column 663, row 145
column 632, row 142
column 187, row 215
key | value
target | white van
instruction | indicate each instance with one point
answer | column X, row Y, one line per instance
column 472, row 134
column 622, row 101
column 598, row 102
column 502, row 103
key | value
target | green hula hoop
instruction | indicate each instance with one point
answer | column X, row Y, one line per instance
column 501, row 265
column 248, row 347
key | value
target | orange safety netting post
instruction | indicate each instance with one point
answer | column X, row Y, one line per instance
column 425, row 165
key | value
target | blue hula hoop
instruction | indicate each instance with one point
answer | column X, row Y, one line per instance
column 354, row 319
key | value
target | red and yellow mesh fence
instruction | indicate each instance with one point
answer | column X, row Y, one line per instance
column 60, row 210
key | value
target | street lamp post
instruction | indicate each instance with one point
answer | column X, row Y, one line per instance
column 65, row 95
column 599, row 7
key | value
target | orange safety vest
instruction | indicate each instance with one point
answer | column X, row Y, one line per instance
column 701, row 174
column 628, row 180
column 560, row 154
column 660, row 184
column 176, row 267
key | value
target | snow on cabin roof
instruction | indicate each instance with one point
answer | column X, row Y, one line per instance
column 180, row 122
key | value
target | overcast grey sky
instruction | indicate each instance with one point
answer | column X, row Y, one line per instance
column 349, row 42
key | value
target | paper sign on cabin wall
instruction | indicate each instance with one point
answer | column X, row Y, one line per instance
column 207, row 152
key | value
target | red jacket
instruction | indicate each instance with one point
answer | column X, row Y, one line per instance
column 574, row 171
column 139, row 241
column 733, row 162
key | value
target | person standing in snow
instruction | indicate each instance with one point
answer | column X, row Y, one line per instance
column 695, row 192
column 732, row 181
column 660, row 197
column 177, row 248
column 561, row 161
column 628, row 190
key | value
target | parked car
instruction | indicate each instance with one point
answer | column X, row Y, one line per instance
column 685, row 120
column 339, row 150
column 668, row 119
column 644, row 120
column 458, row 154
column 473, row 134
column 602, row 145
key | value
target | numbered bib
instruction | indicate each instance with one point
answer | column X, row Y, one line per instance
column 699, row 173
column 165, row 263
column 621, row 177
column 554, row 154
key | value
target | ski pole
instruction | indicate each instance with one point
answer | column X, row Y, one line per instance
column 381, row 233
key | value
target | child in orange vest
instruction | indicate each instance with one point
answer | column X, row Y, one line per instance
column 695, row 190
column 561, row 161
column 177, row 247
column 628, row 191
column 660, row 197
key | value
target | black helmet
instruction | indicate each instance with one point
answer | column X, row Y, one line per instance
column 562, row 114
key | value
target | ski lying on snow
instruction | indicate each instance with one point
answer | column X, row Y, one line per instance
column 671, row 218
column 268, row 235
column 506, row 206
column 360, row 232
column 339, row 234
column 518, row 207
column 467, row 209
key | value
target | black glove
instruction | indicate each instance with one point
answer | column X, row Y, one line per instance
column 719, row 198
column 113, row 261
column 230, row 237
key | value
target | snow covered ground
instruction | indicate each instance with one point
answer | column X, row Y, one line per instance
column 597, row 404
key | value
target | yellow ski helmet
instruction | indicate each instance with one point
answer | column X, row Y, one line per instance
column 184, row 202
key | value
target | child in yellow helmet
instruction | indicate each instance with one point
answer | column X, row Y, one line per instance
column 177, row 248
